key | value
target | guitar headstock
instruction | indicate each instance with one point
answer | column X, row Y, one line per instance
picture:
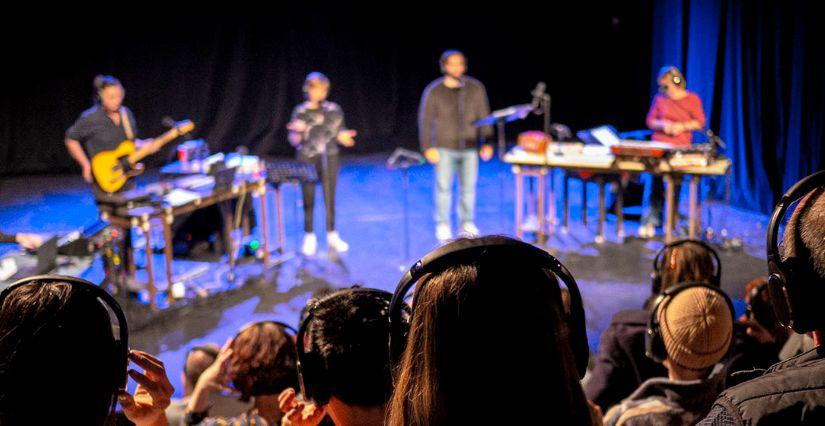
column 184, row 126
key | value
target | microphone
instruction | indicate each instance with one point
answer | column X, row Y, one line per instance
column 168, row 122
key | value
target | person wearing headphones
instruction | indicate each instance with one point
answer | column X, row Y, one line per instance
column 259, row 362
column 620, row 365
column 196, row 361
column 674, row 114
column 449, row 106
column 65, row 358
column 28, row 241
column 455, row 363
column 103, row 127
column 690, row 329
column 344, row 364
column 790, row 392
column 316, row 128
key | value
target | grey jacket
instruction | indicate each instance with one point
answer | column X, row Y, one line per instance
column 661, row 401
column 446, row 115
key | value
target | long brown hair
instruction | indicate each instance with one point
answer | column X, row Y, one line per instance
column 481, row 333
column 686, row 262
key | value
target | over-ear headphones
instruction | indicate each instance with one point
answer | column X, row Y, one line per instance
column 311, row 372
column 654, row 343
column 120, row 331
column 797, row 304
column 656, row 274
column 469, row 250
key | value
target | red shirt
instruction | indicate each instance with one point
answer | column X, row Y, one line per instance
column 685, row 109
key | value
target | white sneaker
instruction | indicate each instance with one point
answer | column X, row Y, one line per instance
column 443, row 232
column 335, row 242
column 310, row 245
column 469, row 230
column 647, row 231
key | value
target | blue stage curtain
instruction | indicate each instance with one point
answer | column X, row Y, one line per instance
column 758, row 68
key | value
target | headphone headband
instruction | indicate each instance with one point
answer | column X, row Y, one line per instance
column 654, row 344
column 121, row 337
column 715, row 279
column 788, row 299
column 310, row 377
column 468, row 250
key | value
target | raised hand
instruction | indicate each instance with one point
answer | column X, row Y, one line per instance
column 347, row 137
column 153, row 392
column 298, row 412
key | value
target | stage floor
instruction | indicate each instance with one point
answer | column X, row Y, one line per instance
column 612, row 276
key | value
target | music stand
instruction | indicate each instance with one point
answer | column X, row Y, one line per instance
column 403, row 159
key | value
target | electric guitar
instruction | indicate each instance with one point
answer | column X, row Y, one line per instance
column 111, row 169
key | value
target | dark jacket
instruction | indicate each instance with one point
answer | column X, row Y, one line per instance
column 621, row 365
column 662, row 401
column 446, row 115
column 790, row 392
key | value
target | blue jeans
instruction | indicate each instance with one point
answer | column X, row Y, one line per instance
column 465, row 163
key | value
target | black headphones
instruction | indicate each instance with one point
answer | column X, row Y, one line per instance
column 796, row 303
column 656, row 275
column 121, row 336
column 311, row 371
column 654, row 344
column 468, row 250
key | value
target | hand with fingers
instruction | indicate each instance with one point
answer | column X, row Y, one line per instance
column 298, row 412
column 152, row 394
column 214, row 379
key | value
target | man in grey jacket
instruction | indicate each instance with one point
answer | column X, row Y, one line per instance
column 449, row 106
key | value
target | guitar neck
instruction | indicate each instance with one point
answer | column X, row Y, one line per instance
column 153, row 146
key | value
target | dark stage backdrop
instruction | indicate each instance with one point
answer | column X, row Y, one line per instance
column 239, row 75
column 758, row 67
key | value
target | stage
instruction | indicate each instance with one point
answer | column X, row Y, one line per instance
column 612, row 276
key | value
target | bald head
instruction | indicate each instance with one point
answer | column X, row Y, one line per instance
column 197, row 360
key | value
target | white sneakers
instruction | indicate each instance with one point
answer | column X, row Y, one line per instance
column 443, row 232
column 334, row 242
column 310, row 245
column 469, row 230
column 647, row 231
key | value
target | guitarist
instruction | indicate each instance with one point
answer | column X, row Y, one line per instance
column 102, row 128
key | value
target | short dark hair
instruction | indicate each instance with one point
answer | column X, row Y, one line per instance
column 349, row 331
column 103, row 81
column 442, row 61
column 264, row 361
column 804, row 236
column 52, row 335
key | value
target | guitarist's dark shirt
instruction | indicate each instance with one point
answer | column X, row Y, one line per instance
column 97, row 132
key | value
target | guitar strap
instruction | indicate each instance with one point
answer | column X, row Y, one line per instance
column 127, row 125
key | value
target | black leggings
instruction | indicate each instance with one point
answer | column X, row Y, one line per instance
column 327, row 167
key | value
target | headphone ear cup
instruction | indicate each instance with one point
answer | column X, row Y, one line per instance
column 311, row 372
column 655, row 282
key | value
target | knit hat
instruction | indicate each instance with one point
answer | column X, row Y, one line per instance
column 696, row 326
